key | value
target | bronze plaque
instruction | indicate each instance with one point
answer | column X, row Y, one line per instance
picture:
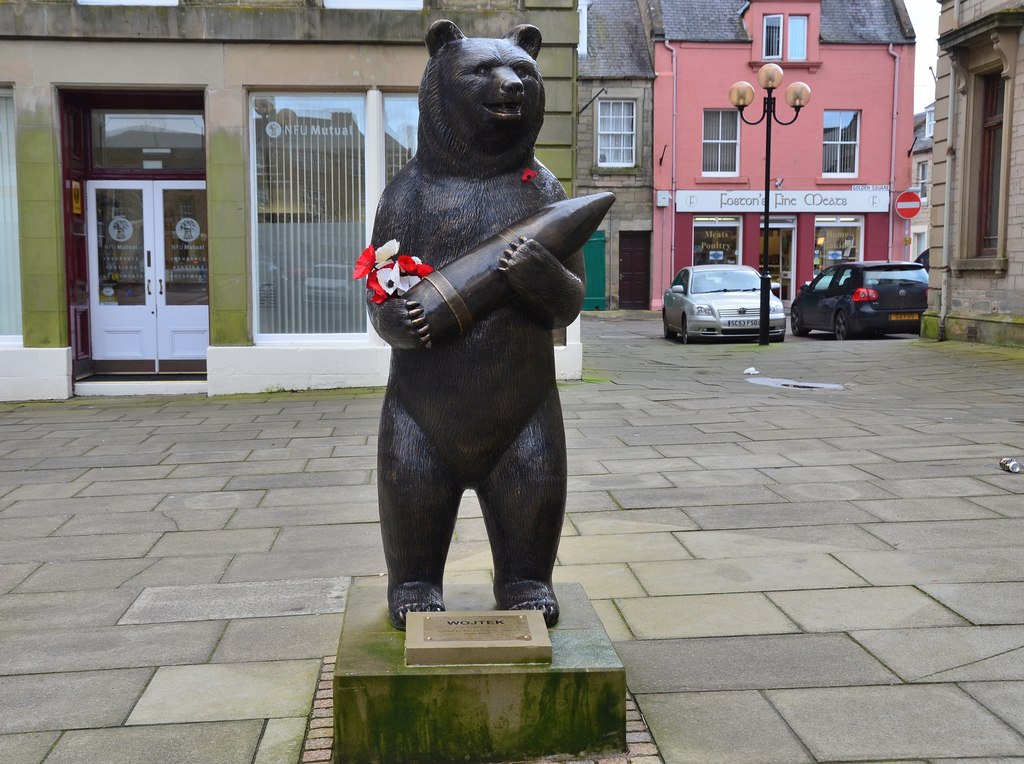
column 476, row 637
column 481, row 628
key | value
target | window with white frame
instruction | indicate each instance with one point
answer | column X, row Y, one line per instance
column 841, row 141
column 924, row 178
column 315, row 159
column 929, row 121
column 796, row 41
column 10, row 265
column 720, row 145
column 616, row 133
column 771, row 44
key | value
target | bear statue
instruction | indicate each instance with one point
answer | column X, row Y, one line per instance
column 478, row 409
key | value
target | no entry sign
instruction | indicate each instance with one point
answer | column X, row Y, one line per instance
column 908, row 204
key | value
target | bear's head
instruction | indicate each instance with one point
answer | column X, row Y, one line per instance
column 481, row 100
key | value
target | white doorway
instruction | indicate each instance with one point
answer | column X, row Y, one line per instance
column 148, row 275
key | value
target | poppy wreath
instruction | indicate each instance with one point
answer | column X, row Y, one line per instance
column 388, row 273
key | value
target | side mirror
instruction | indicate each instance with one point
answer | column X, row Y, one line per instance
column 805, row 286
column 678, row 289
column 776, row 286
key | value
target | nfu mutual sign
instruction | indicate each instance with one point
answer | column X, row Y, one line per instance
column 815, row 200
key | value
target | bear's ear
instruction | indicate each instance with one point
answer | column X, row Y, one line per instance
column 527, row 37
column 440, row 33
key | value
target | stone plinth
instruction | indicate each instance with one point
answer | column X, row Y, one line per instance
column 386, row 711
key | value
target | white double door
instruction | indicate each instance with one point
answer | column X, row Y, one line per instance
column 148, row 272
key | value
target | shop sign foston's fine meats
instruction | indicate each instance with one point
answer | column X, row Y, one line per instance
column 814, row 200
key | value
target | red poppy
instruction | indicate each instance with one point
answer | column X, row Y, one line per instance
column 365, row 263
column 410, row 267
column 529, row 174
column 379, row 293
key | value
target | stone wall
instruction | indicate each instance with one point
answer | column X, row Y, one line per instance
column 633, row 187
column 984, row 296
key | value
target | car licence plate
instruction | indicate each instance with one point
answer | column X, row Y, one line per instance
column 745, row 322
column 904, row 316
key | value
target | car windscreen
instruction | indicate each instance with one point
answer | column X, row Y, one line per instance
column 725, row 281
column 875, row 277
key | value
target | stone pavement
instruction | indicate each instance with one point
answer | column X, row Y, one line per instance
column 791, row 574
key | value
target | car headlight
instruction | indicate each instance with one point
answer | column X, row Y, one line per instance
column 777, row 309
column 703, row 310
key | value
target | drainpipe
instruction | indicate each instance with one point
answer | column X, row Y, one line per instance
column 892, row 155
column 671, row 213
column 952, row 157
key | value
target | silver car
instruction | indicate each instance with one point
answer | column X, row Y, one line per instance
column 718, row 301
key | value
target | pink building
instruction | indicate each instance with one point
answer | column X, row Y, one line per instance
column 834, row 172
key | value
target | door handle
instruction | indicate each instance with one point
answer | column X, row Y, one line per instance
column 161, row 281
column 149, row 259
column 149, row 285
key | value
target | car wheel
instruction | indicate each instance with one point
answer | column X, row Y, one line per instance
column 796, row 323
column 669, row 334
column 840, row 326
column 684, row 334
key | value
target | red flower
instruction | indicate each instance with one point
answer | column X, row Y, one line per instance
column 379, row 293
column 529, row 174
column 410, row 267
column 365, row 263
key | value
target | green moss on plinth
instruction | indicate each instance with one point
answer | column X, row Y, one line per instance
column 385, row 711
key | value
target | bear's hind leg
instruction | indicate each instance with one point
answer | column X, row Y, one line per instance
column 419, row 498
column 523, row 503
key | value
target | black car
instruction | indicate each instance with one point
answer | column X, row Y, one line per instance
column 855, row 298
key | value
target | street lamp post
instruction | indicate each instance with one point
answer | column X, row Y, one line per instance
column 741, row 95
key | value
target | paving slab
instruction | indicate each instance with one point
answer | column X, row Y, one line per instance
column 854, row 723
column 188, row 543
column 995, row 603
column 956, row 534
column 703, row 615
column 274, row 566
column 1004, row 699
column 601, row 580
column 31, row 527
column 630, row 521
column 62, row 609
column 78, row 699
column 941, row 653
column 11, row 575
column 108, row 647
column 223, row 743
column 82, row 575
column 175, row 571
column 109, row 546
column 720, row 728
column 743, row 574
column 883, row 607
column 317, row 514
column 217, row 500
column 282, row 741
column 259, row 599
column 936, row 566
column 281, row 638
column 26, row 747
column 775, row 514
column 622, row 547
column 742, row 663
column 759, row 542
column 910, row 510
column 225, row 691
column 76, row 505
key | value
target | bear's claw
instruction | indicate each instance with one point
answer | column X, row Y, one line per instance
column 413, row 598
